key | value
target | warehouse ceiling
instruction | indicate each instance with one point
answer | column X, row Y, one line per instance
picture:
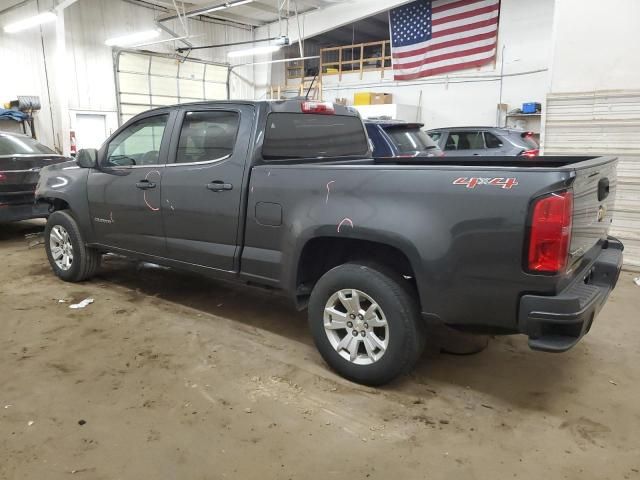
column 254, row 13
column 370, row 29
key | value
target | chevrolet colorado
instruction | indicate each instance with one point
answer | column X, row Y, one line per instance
column 285, row 194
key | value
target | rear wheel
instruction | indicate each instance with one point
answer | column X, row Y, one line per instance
column 366, row 324
column 69, row 257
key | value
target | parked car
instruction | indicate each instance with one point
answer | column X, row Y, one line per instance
column 21, row 158
column 488, row 141
column 286, row 195
column 396, row 138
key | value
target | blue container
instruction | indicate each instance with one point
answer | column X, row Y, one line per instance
column 531, row 107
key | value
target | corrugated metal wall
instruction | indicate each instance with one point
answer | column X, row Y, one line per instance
column 603, row 123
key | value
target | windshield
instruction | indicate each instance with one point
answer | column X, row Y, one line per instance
column 17, row 144
column 304, row 135
column 410, row 140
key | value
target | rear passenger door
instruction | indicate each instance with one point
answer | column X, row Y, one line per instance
column 465, row 143
column 202, row 185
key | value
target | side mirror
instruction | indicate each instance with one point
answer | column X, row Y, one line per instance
column 87, row 158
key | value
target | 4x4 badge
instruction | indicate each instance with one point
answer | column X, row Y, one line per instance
column 472, row 182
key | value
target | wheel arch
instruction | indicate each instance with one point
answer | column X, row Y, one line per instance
column 319, row 254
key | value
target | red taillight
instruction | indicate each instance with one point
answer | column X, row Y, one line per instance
column 324, row 108
column 73, row 148
column 3, row 177
column 550, row 233
column 534, row 152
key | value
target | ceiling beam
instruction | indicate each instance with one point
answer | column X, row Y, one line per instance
column 262, row 7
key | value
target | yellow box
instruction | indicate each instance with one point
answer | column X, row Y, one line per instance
column 362, row 98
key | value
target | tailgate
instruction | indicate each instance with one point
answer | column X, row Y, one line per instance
column 594, row 193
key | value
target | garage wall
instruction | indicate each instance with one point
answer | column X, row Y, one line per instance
column 88, row 67
column 594, row 102
column 469, row 97
column 24, row 71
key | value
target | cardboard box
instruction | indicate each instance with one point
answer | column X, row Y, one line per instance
column 381, row 98
column 362, row 98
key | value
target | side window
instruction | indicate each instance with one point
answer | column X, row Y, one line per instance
column 465, row 141
column 138, row 144
column 491, row 140
column 435, row 136
column 207, row 136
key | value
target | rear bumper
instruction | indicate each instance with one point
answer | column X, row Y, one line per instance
column 557, row 323
column 14, row 213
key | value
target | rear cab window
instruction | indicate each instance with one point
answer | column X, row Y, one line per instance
column 306, row 135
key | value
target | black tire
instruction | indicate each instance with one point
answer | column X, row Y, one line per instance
column 85, row 260
column 406, row 329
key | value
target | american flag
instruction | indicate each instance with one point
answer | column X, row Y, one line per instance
column 439, row 36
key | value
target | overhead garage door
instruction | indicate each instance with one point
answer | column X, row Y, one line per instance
column 146, row 80
column 603, row 123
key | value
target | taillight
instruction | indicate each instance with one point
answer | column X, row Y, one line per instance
column 3, row 177
column 323, row 108
column 550, row 233
column 534, row 152
column 73, row 147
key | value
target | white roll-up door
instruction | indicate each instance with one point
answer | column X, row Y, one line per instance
column 603, row 123
column 146, row 80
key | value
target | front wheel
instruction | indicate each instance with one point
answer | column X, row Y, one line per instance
column 366, row 323
column 69, row 257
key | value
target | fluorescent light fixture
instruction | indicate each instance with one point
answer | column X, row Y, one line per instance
column 239, row 2
column 30, row 22
column 164, row 40
column 254, row 51
column 128, row 40
column 219, row 7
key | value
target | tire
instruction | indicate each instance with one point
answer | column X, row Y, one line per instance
column 84, row 261
column 397, row 306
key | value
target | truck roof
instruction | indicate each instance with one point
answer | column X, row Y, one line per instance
column 283, row 106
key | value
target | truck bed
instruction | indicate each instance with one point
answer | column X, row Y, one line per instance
column 461, row 223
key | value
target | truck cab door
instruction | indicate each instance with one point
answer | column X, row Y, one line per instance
column 202, row 185
column 124, row 193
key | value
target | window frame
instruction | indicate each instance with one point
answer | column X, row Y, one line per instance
column 175, row 143
column 166, row 134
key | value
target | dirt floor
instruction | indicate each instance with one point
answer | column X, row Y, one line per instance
column 170, row 376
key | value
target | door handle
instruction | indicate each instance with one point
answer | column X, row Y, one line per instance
column 145, row 184
column 219, row 186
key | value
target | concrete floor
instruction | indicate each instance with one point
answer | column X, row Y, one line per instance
column 169, row 376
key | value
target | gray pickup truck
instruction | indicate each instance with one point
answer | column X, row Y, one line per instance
column 286, row 195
